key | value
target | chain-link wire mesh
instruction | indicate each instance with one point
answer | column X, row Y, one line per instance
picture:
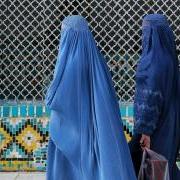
column 30, row 31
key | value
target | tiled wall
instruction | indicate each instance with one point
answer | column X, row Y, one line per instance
column 24, row 135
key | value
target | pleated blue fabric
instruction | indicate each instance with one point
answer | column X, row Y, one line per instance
column 87, row 141
column 157, row 97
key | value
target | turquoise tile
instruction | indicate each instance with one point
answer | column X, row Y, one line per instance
column 131, row 128
column 123, row 111
column 31, row 110
column 14, row 111
column 6, row 111
column 1, row 111
column 47, row 111
column 23, row 111
column 123, row 121
column 39, row 110
column 130, row 111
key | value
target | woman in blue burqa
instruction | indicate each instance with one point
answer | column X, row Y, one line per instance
column 157, row 97
column 86, row 135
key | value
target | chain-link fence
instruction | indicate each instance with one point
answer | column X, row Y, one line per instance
column 30, row 31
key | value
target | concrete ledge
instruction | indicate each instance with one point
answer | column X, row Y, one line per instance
column 22, row 176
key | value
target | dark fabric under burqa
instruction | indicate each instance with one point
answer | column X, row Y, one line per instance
column 157, row 97
column 87, row 141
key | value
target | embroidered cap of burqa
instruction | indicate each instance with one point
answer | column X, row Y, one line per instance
column 157, row 97
column 85, row 122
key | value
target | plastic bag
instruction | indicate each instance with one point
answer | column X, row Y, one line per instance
column 153, row 166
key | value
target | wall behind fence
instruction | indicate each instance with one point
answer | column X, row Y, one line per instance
column 30, row 33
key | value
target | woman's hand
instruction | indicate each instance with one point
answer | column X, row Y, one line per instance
column 145, row 141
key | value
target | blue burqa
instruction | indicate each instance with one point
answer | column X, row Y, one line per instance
column 157, row 97
column 86, row 135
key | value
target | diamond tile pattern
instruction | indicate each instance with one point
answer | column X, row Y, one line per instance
column 24, row 137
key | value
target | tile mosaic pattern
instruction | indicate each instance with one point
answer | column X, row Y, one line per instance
column 127, row 119
column 24, row 135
